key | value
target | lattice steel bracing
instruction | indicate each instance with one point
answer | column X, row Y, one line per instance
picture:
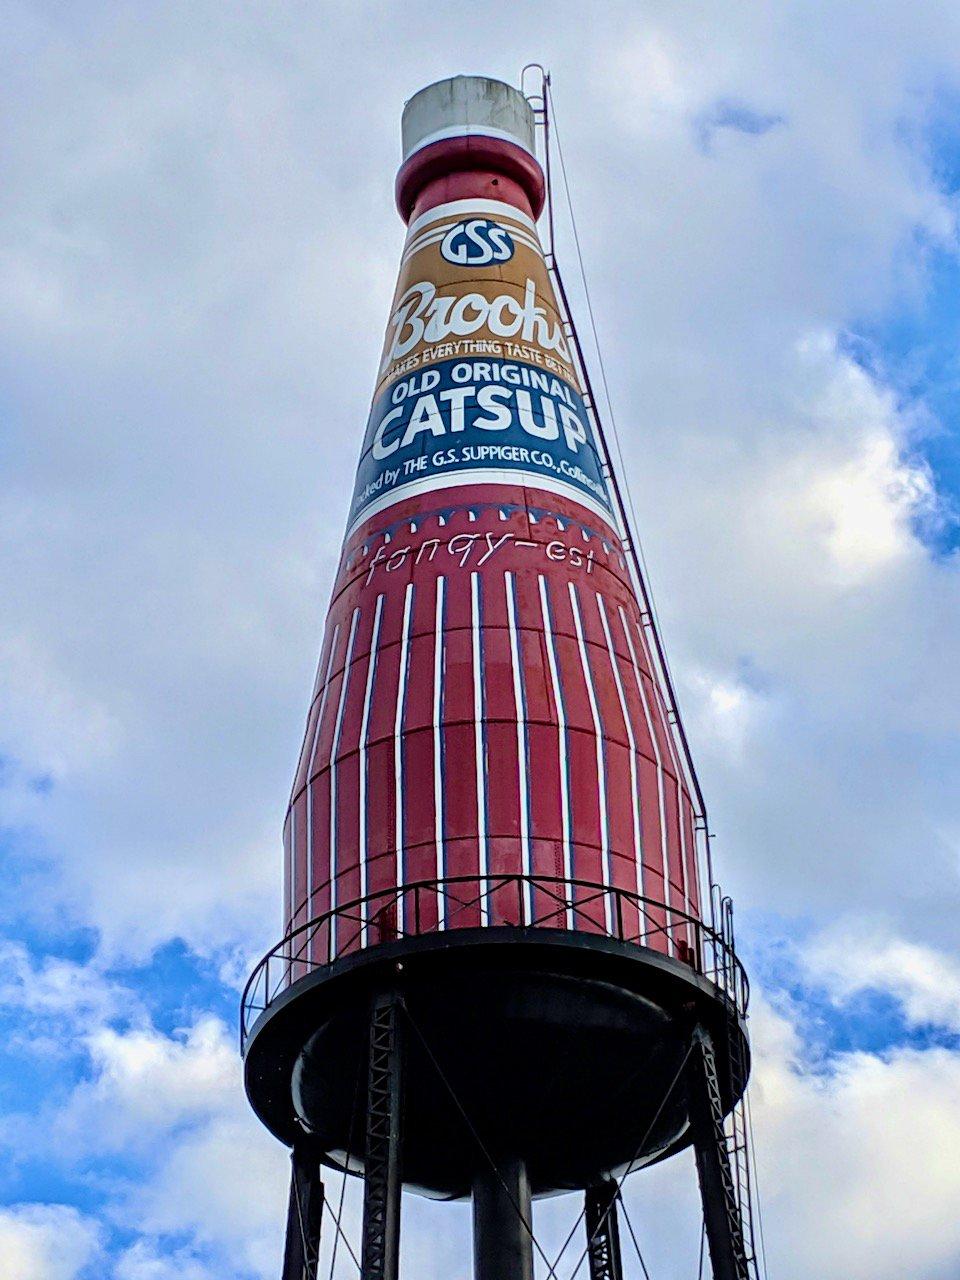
column 603, row 1232
column 304, row 1216
column 381, row 1191
column 729, row 1252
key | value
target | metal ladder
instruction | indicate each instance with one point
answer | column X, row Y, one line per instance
column 735, row 1125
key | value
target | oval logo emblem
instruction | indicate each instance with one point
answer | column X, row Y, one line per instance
column 476, row 243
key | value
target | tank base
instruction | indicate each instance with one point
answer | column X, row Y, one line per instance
column 561, row 1050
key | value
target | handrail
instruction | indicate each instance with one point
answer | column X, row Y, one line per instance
column 398, row 911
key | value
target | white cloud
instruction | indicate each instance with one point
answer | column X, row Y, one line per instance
column 857, row 1165
column 144, row 1086
column 208, row 1171
column 226, row 1185
column 52, row 1007
column 855, row 956
column 199, row 256
column 46, row 1242
column 53, row 989
column 799, row 587
column 143, row 1261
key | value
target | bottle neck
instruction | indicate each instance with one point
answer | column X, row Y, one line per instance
column 470, row 167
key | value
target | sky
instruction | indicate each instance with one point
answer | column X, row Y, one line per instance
column 198, row 247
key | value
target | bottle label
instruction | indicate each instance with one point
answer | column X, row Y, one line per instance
column 477, row 383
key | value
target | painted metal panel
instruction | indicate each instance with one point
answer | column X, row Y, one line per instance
column 485, row 701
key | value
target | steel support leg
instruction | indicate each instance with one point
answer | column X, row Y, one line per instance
column 502, row 1218
column 304, row 1215
column 603, row 1232
column 721, row 1210
column 380, row 1249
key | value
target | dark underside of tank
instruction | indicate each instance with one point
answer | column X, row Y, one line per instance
column 563, row 1049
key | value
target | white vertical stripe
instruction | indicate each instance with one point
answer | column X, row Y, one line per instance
column 605, row 870
column 479, row 748
column 631, row 740
column 522, row 752
column 364, row 724
column 398, row 748
column 334, row 748
column 438, row 779
column 562, row 744
column 638, row 676
column 678, row 771
column 678, row 759
column 310, row 763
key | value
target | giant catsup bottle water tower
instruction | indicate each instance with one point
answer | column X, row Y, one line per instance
column 502, row 974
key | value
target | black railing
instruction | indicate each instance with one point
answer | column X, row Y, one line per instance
column 525, row 901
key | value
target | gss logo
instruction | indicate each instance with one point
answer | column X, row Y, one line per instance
column 477, row 243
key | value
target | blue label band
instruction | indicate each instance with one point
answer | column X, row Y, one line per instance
column 487, row 414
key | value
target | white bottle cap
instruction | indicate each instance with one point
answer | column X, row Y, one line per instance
column 465, row 105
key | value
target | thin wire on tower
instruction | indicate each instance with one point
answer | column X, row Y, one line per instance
column 611, row 416
column 752, row 1156
column 551, row 1270
column 550, row 114
column 627, row 510
column 340, row 1233
column 628, row 1170
column 633, row 1234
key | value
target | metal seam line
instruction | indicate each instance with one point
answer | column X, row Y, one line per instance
column 334, row 747
column 561, row 744
column 601, row 752
column 631, row 740
column 362, row 797
column 638, row 676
